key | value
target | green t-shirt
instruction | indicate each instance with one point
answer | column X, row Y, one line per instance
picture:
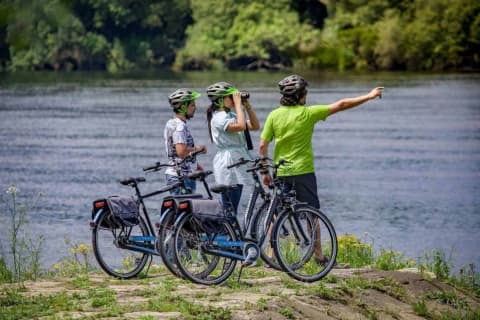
column 292, row 129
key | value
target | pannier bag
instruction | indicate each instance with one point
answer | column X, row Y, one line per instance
column 124, row 210
column 209, row 213
column 109, row 221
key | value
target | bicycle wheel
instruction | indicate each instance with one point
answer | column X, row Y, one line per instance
column 261, row 226
column 112, row 258
column 165, row 241
column 194, row 252
column 305, row 253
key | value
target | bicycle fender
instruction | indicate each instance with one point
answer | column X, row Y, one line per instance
column 97, row 216
column 179, row 218
column 164, row 216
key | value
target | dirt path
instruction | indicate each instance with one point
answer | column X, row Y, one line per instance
column 261, row 294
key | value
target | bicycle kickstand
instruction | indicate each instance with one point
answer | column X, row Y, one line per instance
column 240, row 273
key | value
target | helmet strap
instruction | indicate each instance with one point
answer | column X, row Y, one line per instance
column 184, row 109
column 219, row 104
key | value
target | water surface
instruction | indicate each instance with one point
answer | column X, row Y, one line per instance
column 404, row 169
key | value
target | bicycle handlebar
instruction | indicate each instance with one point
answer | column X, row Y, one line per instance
column 243, row 161
column 240, row 162
column 199, row 175
column 157, row 166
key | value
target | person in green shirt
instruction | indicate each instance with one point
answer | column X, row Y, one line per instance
column 291, row 126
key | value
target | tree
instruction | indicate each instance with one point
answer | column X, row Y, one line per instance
column 92, row 34
column 243, row 35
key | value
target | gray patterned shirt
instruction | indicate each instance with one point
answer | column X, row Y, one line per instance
column 176, row 131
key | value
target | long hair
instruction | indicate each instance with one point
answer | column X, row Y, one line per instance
column 210, row 110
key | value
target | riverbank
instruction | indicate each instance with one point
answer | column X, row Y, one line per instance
column 261, row 293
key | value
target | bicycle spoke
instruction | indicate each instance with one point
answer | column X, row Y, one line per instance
column 197, row 263
column 309, row 249
column 111, row 256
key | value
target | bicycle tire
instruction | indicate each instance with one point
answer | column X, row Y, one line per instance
column 164, row 242
column 116, row 261
column 260, row 227
column 297, row 257
column 193, row 261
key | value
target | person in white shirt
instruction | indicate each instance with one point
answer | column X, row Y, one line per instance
column 179, row 142
column 227, row 122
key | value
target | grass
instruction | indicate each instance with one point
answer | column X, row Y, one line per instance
column 287, row 312
column 420, row 308
column 160, row 294
column 262, row 304
column 14, row 305
column 388, row 286
column 448, row 298
column 320, row 290
column 170, row 303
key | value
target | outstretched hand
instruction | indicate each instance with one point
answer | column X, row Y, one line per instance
column 377, row 92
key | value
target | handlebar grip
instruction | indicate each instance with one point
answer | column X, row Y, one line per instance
column 199, row 174
column 154, row 167
column 194, row 153
column 238, row 163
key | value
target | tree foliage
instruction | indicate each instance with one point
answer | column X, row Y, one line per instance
column 244, row 34
column 399, row 34
column 92, row 34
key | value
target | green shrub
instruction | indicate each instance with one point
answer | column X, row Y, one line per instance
column 353, row 252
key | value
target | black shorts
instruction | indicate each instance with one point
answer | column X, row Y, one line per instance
column 305, row 186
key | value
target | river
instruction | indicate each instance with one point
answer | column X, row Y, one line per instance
column 402, row 173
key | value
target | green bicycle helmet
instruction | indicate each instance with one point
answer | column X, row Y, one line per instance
column 220, row 89
column 181, row 96
column 292, row 85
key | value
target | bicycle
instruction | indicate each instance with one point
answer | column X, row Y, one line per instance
column 257, row 219
column 227, row 240
column 169, row 212
column 123, row 250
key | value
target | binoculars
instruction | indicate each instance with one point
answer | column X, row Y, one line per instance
column 244, row 95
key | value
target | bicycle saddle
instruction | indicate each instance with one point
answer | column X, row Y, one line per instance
column 132, row 181
column 187, row 196
column 221, row 188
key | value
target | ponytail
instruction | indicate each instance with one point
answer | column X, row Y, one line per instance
column 210, row 110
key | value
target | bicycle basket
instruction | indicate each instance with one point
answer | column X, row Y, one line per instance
column 209, row 213
column 124, row 210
